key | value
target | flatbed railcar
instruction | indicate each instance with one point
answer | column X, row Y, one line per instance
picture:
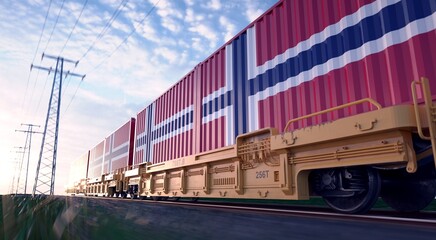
column 349, row 162
column 312, row 98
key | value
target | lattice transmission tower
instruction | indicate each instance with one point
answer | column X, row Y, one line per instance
column 46, row 168
column 27, row 147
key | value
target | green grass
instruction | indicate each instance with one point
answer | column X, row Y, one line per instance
column 24, row 217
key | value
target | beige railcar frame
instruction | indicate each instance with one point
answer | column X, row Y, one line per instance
column 266, row 164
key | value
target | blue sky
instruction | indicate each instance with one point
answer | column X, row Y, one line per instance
column 123, row 74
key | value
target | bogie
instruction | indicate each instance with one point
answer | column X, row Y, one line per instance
column 347, row 190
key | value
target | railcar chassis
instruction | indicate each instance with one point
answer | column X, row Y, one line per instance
column 350, row 162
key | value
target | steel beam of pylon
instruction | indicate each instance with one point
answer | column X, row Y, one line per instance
column 46, row 168
column 29, row 133
column 17, row 174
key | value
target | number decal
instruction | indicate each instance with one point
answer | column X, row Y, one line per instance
column 262, row 174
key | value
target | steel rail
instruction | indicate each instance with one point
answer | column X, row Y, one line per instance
column 280, row 209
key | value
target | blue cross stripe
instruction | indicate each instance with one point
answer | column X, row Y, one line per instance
column 153, row 134
column 389, row 19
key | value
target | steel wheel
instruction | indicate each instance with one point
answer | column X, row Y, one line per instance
column 348, row 190
column 111, row 192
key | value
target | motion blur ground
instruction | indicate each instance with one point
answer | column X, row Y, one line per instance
column 57, row 217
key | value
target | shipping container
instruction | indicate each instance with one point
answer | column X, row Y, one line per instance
column 96, row 158
column 298, row 58
column 119, row 148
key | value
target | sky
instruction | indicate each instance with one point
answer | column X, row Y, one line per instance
column 131, row 52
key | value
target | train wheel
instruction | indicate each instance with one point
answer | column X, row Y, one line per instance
column 348, row 190
column 111, row 192
column 117, row 194
column 156, row 198
column 406, row 192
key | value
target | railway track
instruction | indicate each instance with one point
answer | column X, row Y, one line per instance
column 61, row 217
column 421, row 219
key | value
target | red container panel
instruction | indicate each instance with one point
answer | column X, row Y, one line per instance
column 96, row 157
column 298, row 58
column 164, row 128
column 119, row 148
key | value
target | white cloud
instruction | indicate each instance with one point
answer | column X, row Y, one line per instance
column 229, row 27
column 147, row 31
column 189, row 2
column 73, row 7
column 166, row 9
column 90, row 96
column 193, row 18
column 171, row 25
column 111, row 3
column 214, row 5
column 168, row 14
column 205, row 32
column 198, row 45
column 252, row 11
column 121, row 26
column 170, row 55
column 190, row 17
column 36, row 2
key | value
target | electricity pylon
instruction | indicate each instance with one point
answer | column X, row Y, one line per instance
column 46, row 168
column 17, row 173
column 28, row 143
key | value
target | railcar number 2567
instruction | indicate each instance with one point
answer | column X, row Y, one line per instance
column 262, row 174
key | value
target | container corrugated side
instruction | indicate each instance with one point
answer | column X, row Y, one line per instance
column 119, row 148
column 96, row 156
column 298, row 58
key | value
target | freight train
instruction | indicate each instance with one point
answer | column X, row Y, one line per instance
column 314, row 98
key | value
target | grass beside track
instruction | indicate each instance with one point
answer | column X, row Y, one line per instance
column 24, row 217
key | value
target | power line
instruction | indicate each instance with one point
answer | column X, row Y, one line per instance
column 67, row 80
column 74, row 95
column 116, row 49
column 42, row 93
column 36, row 51
column 106, row 27
column 74, row 27
column 46, row 46
column 68, row 39
column 54, row 26
column 125, row 39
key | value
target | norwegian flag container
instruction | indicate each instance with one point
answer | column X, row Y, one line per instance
column 298, row 58
column 95, row 166
column 119, row 145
